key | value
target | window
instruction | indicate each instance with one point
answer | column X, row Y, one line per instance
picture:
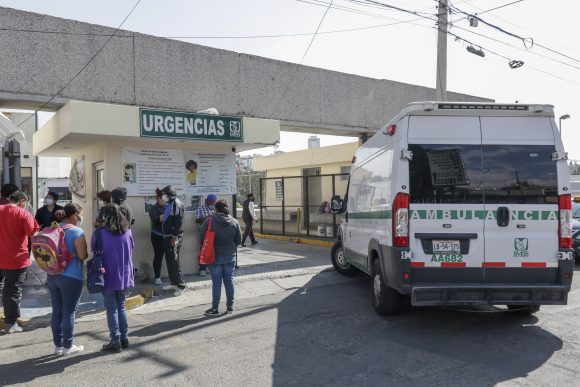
column 344, row 169
column 279, row 189
column 445, row 174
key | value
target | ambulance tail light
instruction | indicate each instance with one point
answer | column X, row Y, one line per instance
column 401, row 220
column 565, row 225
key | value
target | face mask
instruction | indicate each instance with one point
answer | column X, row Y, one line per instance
column 252, row 199
column 80, row 222
column 49, row 202
column 165, row 199
column 102, row 203
column 212, row 206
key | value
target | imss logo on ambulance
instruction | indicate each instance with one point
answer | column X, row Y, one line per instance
column 521, row 247
column 193, row 126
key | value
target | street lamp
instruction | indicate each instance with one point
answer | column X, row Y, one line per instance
column 564, row 117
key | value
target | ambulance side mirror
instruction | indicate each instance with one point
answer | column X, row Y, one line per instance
column 336, row 205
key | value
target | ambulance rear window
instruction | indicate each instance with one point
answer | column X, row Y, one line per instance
column 445, row 174
column 520, row 174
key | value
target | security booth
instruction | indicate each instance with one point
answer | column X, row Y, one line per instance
column 142, row 149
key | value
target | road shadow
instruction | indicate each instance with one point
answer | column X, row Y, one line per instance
column 332, row 336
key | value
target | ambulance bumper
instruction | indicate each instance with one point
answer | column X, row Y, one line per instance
column 489, row 294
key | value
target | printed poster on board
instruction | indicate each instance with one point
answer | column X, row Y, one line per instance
column 190, row 173
column 207, row 173
column 144, row 170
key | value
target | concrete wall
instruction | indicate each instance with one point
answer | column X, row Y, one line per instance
column 148, row 71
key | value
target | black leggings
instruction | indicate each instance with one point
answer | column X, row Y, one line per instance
column 158, row 252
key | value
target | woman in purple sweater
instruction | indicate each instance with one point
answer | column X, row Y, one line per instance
column 117, row 251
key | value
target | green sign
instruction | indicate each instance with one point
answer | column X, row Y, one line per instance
column 190, row 126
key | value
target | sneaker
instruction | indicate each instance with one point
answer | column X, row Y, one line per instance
column 111, row 347
column 230, row 310
column 158, row 281
column 211, row 312
column 181, row 286
column 72, row 350
column 58, row 350
column 243, row 245
column 255, row 242
column 202, row 273
column 124, row 343
column 170, row 287
column 14, row 328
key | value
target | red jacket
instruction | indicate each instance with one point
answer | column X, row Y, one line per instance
column 16, row 225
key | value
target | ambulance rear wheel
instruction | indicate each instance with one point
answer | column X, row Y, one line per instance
column 524, row 309
column 385, row 299
column 339, row 260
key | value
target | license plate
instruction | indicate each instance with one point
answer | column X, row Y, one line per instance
column 443, row 246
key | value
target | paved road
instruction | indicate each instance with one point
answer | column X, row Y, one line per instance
column 314, row 329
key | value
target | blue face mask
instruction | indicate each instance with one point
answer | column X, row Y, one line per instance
column 212, row 206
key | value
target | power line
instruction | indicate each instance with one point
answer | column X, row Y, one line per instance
column 85, row 66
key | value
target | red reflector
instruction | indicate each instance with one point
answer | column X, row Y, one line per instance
column 417, row 264
column 406, row 275
column 494, row 264
column 452, row 264
column 391, row 129
column 566, row 243
column 534, row 264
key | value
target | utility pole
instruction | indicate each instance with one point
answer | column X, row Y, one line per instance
column 441, row 86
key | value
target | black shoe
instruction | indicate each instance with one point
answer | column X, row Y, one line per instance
column 255, row 242
column 230, row 310
column 181, row 286
column 112, row 347
column 243, row 245
column 124, row 343
column 211, row 312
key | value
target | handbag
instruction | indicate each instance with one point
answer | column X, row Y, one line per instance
column 207, row 251
column 95, row 268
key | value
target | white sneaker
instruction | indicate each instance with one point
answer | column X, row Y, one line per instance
column 14, row 328
column 169, row 287
column 58, row 350
column 73, row 349
column 202, row 273
column 158, row 281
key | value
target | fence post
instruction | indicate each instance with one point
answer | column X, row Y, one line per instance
column 307, row 207
column 333, row 215
column 298, row 220
column 261, row 206
column 283, row 208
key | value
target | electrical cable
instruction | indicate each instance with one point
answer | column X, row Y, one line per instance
column 84, row 67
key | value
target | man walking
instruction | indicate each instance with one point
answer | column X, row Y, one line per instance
column 249, row 217
column 172, row 227
column 201, row 214
column 16, row 226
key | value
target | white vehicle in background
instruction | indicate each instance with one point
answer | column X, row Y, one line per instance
column 460, row 204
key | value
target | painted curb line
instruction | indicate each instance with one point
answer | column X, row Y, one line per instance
column 312, row 242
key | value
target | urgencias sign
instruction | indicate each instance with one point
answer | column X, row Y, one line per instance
column 190, row 126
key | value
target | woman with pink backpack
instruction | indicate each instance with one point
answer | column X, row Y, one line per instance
column 66, row 288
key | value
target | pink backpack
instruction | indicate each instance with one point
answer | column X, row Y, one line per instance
column 49, row 249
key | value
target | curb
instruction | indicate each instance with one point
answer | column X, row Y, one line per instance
column 131, row 302
column 312, row 242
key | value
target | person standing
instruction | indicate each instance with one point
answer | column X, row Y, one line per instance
column 16, row 226
column 66, row 288
column 104, row 199
column 249, row 217
column 46, row 214
column 172, row 227
column 227, row 238
column 119, row 197
column 156, row 215
column 117, row 248
column 201, row 214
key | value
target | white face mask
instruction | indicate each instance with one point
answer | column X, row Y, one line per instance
column 165, row 199
column 80, row 222
column 49, row 201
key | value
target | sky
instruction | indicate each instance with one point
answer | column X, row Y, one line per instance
column 404, row 52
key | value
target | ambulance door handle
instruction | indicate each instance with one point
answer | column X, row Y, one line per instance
column 503, row 216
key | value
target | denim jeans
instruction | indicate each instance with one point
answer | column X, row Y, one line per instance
column 116, row 314
column 12, row 293
column 65, row 293
column 222, row 272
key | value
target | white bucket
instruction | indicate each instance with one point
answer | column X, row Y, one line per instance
column 321, row 230
column 329, row 230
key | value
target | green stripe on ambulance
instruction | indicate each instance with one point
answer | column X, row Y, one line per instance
column 481, row 215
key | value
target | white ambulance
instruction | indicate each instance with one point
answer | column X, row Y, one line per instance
column 460, row 204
